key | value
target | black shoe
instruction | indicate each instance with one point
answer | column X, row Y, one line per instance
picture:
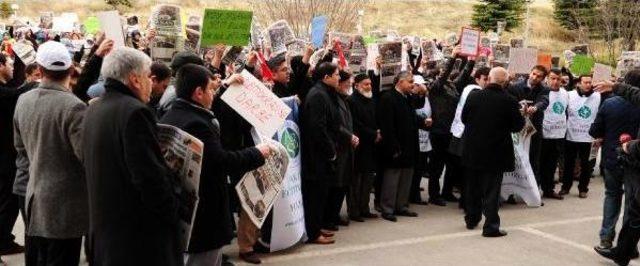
column 14, row 248
column 357, row 219
column 406, row 213
column 331, row 227
column 250, row 257
column 438, row 202
column 563, row 192
column 450, row 198
column 389, row 217
column 258, row 247
column 472, row 226
column 512, row 200
column 471, row 223
column 635, row 255
column 378, row 208
column 610, row 253
column 343, row 222
column 499, row 233
column 369, row 215
column 552, row 195
column 419, row 202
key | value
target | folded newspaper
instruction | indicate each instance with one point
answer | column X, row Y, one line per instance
column 183, row 154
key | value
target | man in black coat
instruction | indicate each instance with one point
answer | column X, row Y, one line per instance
column 399, row 131
column 134, row 200
column 489, row 116
column 195, row 90
column 320, row 126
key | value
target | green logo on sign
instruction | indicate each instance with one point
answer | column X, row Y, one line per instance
column 558, row 108
column 584, row 112
column 291, row 142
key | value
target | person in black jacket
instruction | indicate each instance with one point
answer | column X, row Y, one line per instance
column 365, row 127
column 195, row 89
column 134, row 199
column 399, row 131
column 536, row 93
column 490, row 116
column 320, row 126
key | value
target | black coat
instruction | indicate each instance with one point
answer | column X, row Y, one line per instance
column 363, row 111
column 9, row 94
column 345, row 149
column 490, row 116
column 538, row 95
column 398, row 124
column 320, row 125
column 134, row 199
column 444, row 99
column 212, row 227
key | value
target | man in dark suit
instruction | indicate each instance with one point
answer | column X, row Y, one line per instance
column 320, row 126
column 134, row 201
column 489, row 116
column 196, row 87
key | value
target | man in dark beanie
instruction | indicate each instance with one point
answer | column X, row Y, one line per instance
column 179, row 60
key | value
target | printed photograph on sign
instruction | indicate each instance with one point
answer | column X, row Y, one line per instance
column 277, row 39
column 391, row 52
column 517, row 43
column 501, row 53
column 287, row 33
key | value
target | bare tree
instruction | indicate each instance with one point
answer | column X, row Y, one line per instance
column 342, row 14
column 619, row 23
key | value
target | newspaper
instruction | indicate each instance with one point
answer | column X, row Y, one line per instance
column 193, row 30
column 183, row 154
column 259, row 189
column 233, row 55
column 391, row 54
column 167, row 22
column 25, row 52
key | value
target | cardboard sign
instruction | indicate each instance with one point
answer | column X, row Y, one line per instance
column 545, row 60
column 62, row 24
column 522, row 60
column 318, row 30
column 92, row 25
column 230, row 27
column 111, row 25
column 601, row 72
column 257, row 104
column 469, row 42
column 581, row 65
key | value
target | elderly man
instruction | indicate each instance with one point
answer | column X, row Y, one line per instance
column 133, row 200
column 490, row 116
column 47, row 137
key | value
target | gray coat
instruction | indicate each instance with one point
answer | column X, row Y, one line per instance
column 47, row 128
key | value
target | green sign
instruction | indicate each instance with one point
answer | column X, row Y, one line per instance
column 228, row 27
column 92, row 25
column 582, row 65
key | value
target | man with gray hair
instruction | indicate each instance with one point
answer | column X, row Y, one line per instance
column 47, row 137
column 489, row 116
column 134, row 201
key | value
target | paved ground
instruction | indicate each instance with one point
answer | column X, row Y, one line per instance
column 560, row 233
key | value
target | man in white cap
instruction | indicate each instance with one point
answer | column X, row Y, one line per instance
column 47, row 127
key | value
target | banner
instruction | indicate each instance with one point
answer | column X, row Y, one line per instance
column 183, row 154
column 581, row 65
column 167, row 22
column 257, row 104
column 288, row 227
column 522, row 182
column 318, row 30
column 259, row 189
column 522, row 60
column 469, row 42
column 228, row 27
column 112, row 27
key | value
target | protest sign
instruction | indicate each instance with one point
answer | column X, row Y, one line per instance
column 257, row 36
column 257, row 104
column 277, row 40
column 167, row 22
column 372, row 53
column 430, row 52
column 517, row 43
column 111, row 25
column 25, row 52
column 46, row 20
column 391, row 56
column 193, row 29
column 582, row 65
column 522, row 181
column 451, row 39
column 522, row 60
column 601, row 72
column 233, row 55
column 288, row 225
column 318, row 31
column 259, row 189
column 297, row 47
column 288, row 35
column 469, row 42
column 568, row 56
column 545, row 60
column 555, row 61
column 501, row 53
column 183, row 154
column 92, row 25
column 230, row 27
column 62, row 24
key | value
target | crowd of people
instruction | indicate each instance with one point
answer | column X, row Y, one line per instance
column 80, row 155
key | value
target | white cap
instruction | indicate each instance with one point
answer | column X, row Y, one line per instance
column 53, row 56
column 418, row 79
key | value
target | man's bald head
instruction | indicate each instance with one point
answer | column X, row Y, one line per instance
column 499, row 75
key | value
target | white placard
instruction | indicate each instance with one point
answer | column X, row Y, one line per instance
column 601, row 72
column 469, row 42
column 111, row 25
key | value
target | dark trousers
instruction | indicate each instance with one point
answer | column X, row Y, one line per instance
column 42, row 251
column 483, row 197
column 420, row 171
column 440, row 157
column 359, row 194
column 21, row 203
column 334, row 205
column 550, row 151
column 314, row 198
column 9, row 208
column 575, row 150
column 630, row 232
column 535, row 151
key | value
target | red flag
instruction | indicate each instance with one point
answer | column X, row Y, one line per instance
column 341, row 60
column 264, row 68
